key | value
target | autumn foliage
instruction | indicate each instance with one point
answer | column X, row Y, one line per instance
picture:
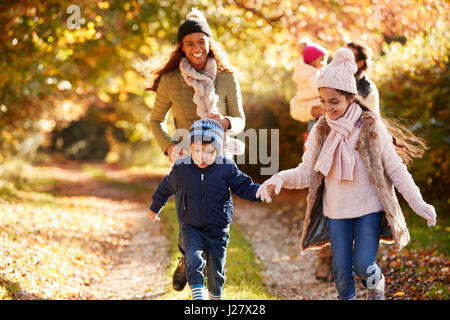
column 57, row 83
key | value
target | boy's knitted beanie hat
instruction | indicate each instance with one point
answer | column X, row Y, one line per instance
column 195, row 22
column 312, row 51
column 208, row 131
column 340, row 72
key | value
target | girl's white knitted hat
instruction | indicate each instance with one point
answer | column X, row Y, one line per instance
column 340, row 72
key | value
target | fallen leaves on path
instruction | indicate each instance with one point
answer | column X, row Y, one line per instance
column 415, row 274
column 54, row 246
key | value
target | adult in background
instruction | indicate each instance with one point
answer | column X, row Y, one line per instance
column 367, row 90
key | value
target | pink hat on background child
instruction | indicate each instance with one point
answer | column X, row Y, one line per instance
column 340, row 72
column 312, row 51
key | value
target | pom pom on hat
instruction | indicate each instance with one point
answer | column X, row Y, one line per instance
column 346, row 55
column 340, row 72
column 195, row 14
column 195, row 22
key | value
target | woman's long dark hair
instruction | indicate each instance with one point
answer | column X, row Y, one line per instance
column 363, row 53
column 153, row 70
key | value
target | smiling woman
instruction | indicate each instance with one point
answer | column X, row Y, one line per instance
column 197, row 59
column 196, row 48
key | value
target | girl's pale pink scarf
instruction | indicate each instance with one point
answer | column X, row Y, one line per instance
column 337, row 150
column 205, row 97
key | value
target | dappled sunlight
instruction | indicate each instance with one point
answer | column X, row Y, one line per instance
column 58, row 247
column 79, row 161
column 54, row 249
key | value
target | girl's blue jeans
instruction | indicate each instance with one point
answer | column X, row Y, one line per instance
column 203, row 250
column 354, row 246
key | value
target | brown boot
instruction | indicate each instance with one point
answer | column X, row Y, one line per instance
column 323, row 268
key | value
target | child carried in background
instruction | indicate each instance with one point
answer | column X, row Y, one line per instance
column 305, row 106
column 205, row 179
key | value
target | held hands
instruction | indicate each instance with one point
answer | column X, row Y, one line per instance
column 427, row 212
column 269, row 189
column 153, row 215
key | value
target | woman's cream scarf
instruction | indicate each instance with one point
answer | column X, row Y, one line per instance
column 205, row 97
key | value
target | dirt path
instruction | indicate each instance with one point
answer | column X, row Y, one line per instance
column 139, row 260
column 288, row 272
column 138, row 269
column 274, row 231
column 139, row 272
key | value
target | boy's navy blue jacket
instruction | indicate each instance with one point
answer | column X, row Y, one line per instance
column 205, row 200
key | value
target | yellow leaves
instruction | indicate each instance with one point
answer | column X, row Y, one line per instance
column 149, row 289
column 55, row 247
column 161, row 33
column 399, row 294
column 104, row 5
column 104, row 96
column 423, row 51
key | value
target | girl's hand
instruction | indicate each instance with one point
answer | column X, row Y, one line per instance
column 269, row 188
column 427, row 212
column 153, row 215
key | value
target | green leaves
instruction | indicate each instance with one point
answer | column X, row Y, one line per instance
column 413, row 82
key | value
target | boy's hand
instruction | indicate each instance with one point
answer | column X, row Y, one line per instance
column 153, row 215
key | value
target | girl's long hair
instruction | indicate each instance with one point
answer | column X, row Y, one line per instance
column 155, row 67
column 406, row 143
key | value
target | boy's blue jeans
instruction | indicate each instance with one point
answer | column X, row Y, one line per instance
column 365, row 233
column 200, row 249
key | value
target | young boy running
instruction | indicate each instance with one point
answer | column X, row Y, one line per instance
column 205, row 179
